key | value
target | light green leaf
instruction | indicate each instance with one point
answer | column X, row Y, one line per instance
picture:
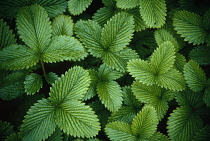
column 195, row 76
column 163, row 58
column 34, row 27
column 89, row 33
column 56, row 136
column 33, row 83
column 117, row 33
column 62, row 25
column 77, row 119
column 119, row 131
column 76, row 7
column 157, row 136
column 145, row 123
column 180, row 61
column 186, row 122
column 51, row 77
column 110, row 94
column 63, row 48
column 6, row 36
column 71, row 86
column 39, row 122
column 189, row 25
column 17, row 57
column 125, row 4
column 153, row 12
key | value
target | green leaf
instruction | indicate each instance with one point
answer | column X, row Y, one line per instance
column 117, row 33
column 195, row 76
column 62, row 25
column 110, row 94
column 51, row 77
column 180, row 61
column 77, row 119
column 206, row 23
column 189, row 25
column 17, row 57
column 71, row 86
column 76, row 7
column 6, row 129
column 34, row 27
column 119, row 131
column 200, row 55
column 163, row 58
column 13, row 137
column 186, row 122
column 153, row 12
column 33, row 83
column 206, row 96
column 89, row 33
column 39, row 122
column 157, row 136
column 203, row 134
column 6, row 36
column 109, row 3
column 56, row 136
column 63, row 48
column 145, row 123
column 125, row 4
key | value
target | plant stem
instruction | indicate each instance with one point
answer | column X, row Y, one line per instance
column 42, row 64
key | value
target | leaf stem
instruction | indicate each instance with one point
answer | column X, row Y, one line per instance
column 43, row 68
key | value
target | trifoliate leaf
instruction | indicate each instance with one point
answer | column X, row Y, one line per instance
column 125, row 4
column 34, row 27
column 62, row 25
column 17, row 57
column 63, row 48
column 119, row 131
column 200, row 55
column 145, row 123
column 110, row 94
column 76, row 7
column 89, row 33
column 203, row 134
column 51, row 77
column 153, row 12
column 33, row 83
column 186, row 122
column 195, row 76
column 39, row 122
column 76, row 119
column 6, row 129
column 6, row 36
column 189, row 25
column 117, row 33
column 71, row 86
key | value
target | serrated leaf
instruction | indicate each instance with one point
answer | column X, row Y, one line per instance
column 189, row 25
column 34, row 27
column 195, row 76
column 6, row 36
column 76, row 7
column 13, row 137
column 77, row 119
column 119, row 131
column 125, row 4
column 117, row 33
column 203, row 134
column 62, row 25
column 39, row 122
column 51, row 77
column 33, row 83
column 71, row 86
column 89, row 33
column 63, row 48
column 157, row 136
column 110, row 94
column 186, row 122
column 109, row 3
column 206, row 96
column 56, row 136
column 180, row 61
column 145, row 123
column 153, row 12
column 17, row 57
column 6, row 129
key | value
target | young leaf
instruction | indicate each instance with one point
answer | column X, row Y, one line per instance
column 183, row 124
column 76, row 7
column 39, row 122
column 71, row 86
column 189, row 25
column 117, row 33
column 33, row 83
column 194, row 76
column 145, row 123
column 125, row 4
column 153, row 12
column 63, row 48
column 77, row 119
column 110, row 94
column 62, row 25
column 34, row 27
column 180, row 61
column 17, row 57
column 51, row 77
